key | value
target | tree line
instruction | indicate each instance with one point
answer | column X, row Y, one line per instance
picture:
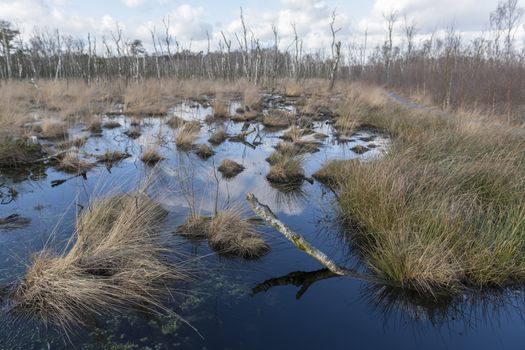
column 487, row 72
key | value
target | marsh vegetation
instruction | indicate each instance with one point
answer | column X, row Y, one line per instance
column 123, row 183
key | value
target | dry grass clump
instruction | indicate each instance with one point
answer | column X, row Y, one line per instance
column 186, row 135
column 359, row 149
column 277, row 118
column 175, row 122
column 220, row 107
column 228, row 233
column 294, row 134
column 292, row 88
column 286, row 150
column 229, row 169
column 71, row 163
column 112, row 157
column 151, row 156
column 332, row 172
column 232, row 235
column 204, row 151
column 95, row 126
column 251, row 97
column 317, row 105
column 444, row 208
column 145, row 98
column 78, row 142
column 111, row 124
column 114, row 262
column 53, row 130
column 286, row 170
column 16, row 152
column 73, row 98
column 133, row 132
column 195, row 227
column 218, row 137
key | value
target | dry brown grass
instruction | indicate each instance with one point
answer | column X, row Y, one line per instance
column 16, row 152
column 54, row 130
column 277, row 118
column 146, row 98
column 74, row 98
column 114, row 262
column 220, row 106
column 232, row 235
column 151, row 156
column 134, row 132
column 78, row 142
column 286, row 170
column 175, row 122
column 204, row 151
column 111, row 124
column 218, row 137
column 444, row 208
column 229, row 169
column 186, row 135
column 294, row 134
column 251, row 97
column 112, row 157
column 71, row 163
column 95, row 126
column 292, row 88
column 195, row 227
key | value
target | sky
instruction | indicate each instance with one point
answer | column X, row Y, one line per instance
column 191, row 22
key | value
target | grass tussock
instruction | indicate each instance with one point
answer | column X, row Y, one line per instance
column 293, row 88
column 186, row 135
column 133, row 132
column 227, row 232
column 251, row 98
column 54, row 130
column 218, row 137
column 445, row 207
column 220, row 106
column 195, row 227
column 232, row 235
column 114, row 262
column 151, row 156
column 204, row 151
column 229, row 169
column 277, row 118
column 112, row 157
column 146, row 98
column 95, row 127
column 111, row 124
column 16, row 152
column 175, row 122
column 71, row 163
column 78, row 143
column 286, row 170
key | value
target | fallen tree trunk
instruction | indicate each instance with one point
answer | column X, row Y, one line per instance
column 265, row 213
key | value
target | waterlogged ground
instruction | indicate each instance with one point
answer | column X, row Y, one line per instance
column 284, row 300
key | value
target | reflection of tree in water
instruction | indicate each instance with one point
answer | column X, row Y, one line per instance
column 298, row 278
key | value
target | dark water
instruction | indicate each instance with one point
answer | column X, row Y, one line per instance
column 285, row 300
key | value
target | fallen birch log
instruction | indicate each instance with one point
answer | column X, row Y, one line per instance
column 265, row 213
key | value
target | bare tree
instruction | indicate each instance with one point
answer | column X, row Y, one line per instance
column 390, row 21
column 336, row 51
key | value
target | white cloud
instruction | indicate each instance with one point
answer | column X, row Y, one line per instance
column 189, row 22
column 133, row 3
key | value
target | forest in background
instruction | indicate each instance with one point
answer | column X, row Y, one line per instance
column 486, row 73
